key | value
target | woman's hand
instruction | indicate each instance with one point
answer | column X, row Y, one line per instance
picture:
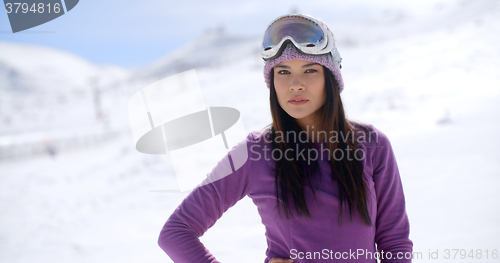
column 280, row 260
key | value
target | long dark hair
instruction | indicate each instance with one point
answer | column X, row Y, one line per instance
column 292, row 175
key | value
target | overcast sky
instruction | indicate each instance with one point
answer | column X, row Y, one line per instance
column 135, row 33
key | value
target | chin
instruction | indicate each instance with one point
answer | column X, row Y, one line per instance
column 298, row 116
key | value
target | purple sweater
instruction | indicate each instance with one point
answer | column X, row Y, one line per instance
column 318, row 239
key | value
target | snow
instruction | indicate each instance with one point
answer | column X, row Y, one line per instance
column 433, row 90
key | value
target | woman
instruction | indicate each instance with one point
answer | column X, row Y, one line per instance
column 327, row 189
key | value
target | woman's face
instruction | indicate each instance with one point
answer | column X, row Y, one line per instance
column 300, row 87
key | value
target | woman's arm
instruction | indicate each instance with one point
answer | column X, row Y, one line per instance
column 392, row 226
column 199, row 211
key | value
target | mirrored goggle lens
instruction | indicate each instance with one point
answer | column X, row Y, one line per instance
column 305, row 32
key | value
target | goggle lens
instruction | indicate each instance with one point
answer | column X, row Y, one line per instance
column 305, row 32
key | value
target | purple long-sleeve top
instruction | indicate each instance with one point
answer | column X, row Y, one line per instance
column 316, row 239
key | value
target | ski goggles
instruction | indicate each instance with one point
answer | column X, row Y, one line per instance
column 306, row 33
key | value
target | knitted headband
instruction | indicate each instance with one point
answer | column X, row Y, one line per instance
column 291, row 53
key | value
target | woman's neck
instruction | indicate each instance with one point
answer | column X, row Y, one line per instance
column 312, row 125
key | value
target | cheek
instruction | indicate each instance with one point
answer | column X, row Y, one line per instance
column 281, row 88
column 321, row 91
column 324, row 98
column 279, row 83
column 316, row 81
column 323, row 85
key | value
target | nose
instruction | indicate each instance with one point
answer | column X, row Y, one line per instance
column 296, row 84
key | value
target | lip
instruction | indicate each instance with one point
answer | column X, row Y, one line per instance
column 298, row 100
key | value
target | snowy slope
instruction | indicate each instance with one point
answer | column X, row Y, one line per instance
column 435, row 92
column 214, row 48
column 48, row 93
column 46, row 70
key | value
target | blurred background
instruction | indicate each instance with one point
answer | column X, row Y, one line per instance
column 74, row 189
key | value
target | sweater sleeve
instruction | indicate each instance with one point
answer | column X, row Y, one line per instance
column 392, row 225
column 199, row 211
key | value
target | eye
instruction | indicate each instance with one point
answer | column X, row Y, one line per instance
column 281, row 72
column 311, row 70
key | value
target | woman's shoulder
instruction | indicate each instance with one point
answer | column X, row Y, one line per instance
column 369, row 135
column 252, row 138
column 261, row 136
column 374, row 142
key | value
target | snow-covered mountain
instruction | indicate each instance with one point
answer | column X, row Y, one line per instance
column 37, row 69
column 214, row 48
column 43, row 88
